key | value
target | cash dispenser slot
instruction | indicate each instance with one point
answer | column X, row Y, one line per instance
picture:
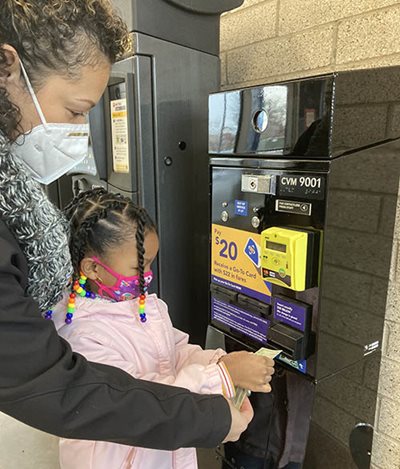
column 224, row 294
column 254, row 305
column 245, row 319
column 291, row 328
column 292, row 342
column 240, row 300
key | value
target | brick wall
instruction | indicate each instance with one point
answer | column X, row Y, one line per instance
column 267, row 41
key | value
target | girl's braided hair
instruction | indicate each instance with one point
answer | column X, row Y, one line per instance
column 102, row 220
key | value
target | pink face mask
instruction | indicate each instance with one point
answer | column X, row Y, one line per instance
column 124, row 288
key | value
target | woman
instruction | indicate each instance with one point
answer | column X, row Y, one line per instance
column 55, row 59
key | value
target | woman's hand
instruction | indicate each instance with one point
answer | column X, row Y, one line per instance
column 240, row 420
column 250, row 371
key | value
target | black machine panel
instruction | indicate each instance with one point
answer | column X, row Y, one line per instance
column 242, row 220
column 304, row 184
column 321, row 117
column 191, row 23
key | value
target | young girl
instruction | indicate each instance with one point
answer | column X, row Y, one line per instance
column 110, row 318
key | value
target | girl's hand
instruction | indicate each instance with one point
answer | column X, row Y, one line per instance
column 250, row 371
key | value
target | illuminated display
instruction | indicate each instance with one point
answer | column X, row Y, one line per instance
column 275, row 246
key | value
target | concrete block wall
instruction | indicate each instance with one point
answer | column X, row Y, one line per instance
column 266, row 41
column 274, row 40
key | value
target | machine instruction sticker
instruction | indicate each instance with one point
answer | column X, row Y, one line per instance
column 240, row 320
column 291, row 206
column 235, row 262
column 119, row 134
column 241, row 208
column 291, row 313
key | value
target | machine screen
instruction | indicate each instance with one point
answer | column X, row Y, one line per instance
column 276, row 246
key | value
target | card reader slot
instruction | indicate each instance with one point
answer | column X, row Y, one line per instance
column 312, row 259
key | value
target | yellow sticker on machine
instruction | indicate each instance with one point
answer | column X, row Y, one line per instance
column 119, row 134
column 235, row 262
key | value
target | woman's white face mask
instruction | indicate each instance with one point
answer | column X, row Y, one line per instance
column 49, row 151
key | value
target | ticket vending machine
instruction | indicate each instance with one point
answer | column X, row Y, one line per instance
column 304, row 184
column 149, row 140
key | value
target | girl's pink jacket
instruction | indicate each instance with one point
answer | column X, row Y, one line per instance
column 112, row 334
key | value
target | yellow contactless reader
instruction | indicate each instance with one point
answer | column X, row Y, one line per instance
column 289, row 257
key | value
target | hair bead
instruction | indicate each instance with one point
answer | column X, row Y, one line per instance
column 78, row 288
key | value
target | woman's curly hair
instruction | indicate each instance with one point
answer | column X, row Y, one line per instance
column 57, row 36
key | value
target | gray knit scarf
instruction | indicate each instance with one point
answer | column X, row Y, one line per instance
column 39, row 228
